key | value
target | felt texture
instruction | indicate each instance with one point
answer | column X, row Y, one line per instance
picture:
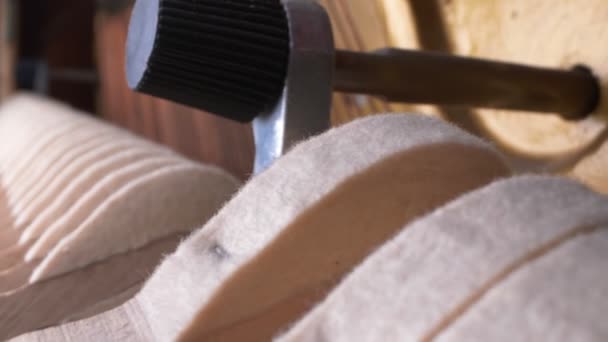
column 44, row 137
column 81, row 175
column 14, row 173
column 81, row 293
column 560, row 297
column 67, row 172
column 88, row 202
column 244, row 228
column 18, row 140
column 55, row 157
column 167, row 201
column 83, row 156
column 326, row 168
column 89, row 211
column 95, row 201
column 53, row 169
column 49, row 210
column 25, row 120
column 33, row 146
column 321, row 245
column 431, row 281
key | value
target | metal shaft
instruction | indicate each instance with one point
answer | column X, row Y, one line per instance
column 435, row 78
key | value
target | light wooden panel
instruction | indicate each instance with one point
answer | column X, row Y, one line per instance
column 362, row 25
column 550, row 33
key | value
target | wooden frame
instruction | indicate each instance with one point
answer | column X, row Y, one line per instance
column 8, row 10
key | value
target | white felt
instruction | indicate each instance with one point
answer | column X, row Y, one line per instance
column 25, row 124
column 81, row 292
column 22, row 196
column 415, row 286
column 55, row 207
column 92, row 201
column 560, row 297
column 265, row 207
column 24, row 118
column 13, row 173
column 51, row 164
column 172, row 199
column 120, row 151
column 73, row 153
column 23, row 131
column 48, row 163
column 244, row 227
column 43, row 137
column 38, row 130
column 33, row 145
column 89, row 202
column 92, row 192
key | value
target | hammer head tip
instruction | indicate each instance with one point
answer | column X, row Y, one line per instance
column 140, row 40
column 225, row 57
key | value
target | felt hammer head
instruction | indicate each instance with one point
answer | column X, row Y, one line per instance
column 226, row 57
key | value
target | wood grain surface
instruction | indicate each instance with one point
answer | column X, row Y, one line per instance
column 548, row 33
column 7, row 51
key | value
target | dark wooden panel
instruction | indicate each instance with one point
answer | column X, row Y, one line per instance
column 60, row 32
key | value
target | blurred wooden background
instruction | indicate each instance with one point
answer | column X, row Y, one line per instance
column 59, row 33
column 196, row 134
column 208, row 138
column 497, row 29
column 531, row 142
column 6, row 50
column 358, row 25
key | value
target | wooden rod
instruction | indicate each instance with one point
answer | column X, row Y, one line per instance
column 435, row 78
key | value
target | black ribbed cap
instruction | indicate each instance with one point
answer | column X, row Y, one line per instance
column 227, row 57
